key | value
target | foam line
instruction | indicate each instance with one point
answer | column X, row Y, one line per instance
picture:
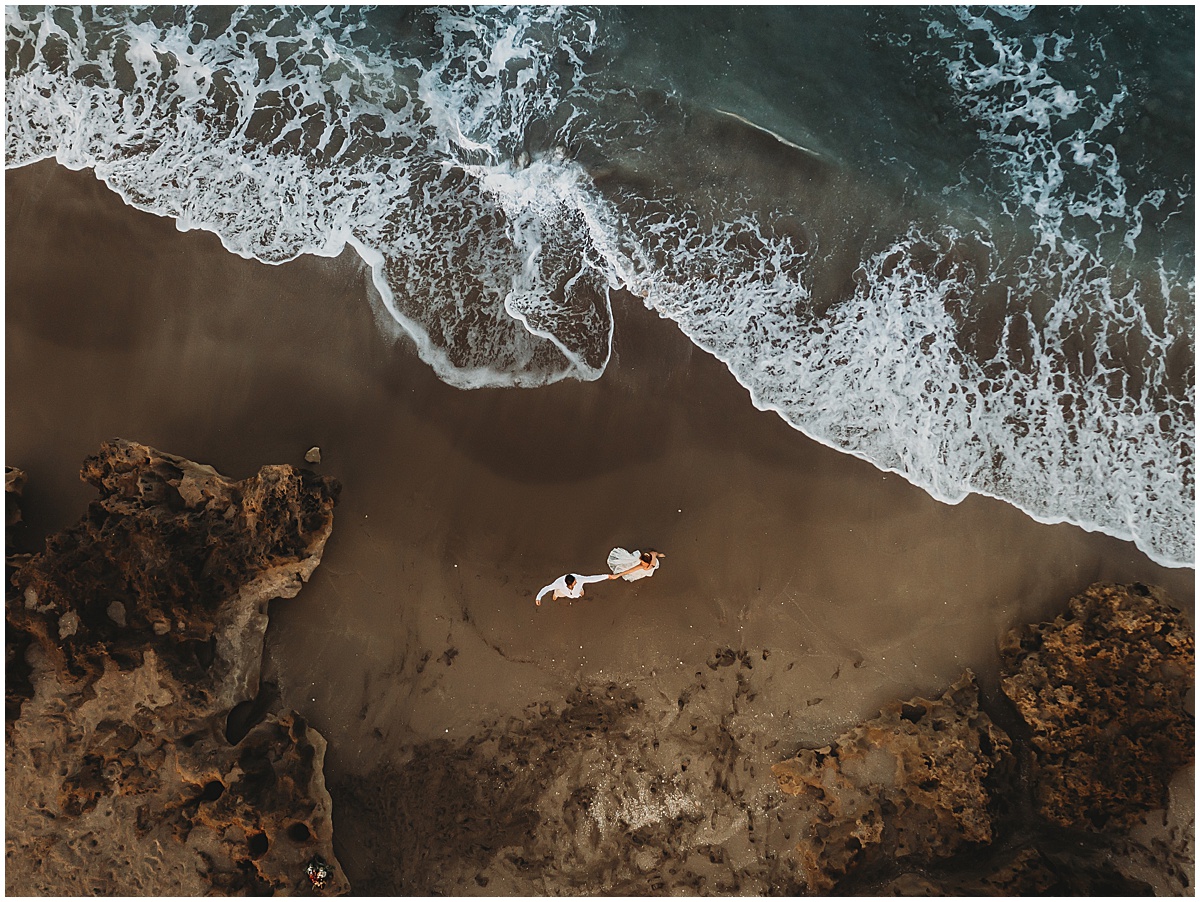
column 766, row 131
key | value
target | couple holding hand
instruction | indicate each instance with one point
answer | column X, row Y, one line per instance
column 628, row 565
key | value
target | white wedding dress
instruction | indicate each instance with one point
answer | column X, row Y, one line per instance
column 619, row 559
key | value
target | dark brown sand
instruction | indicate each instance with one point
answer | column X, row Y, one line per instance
column 848, row 587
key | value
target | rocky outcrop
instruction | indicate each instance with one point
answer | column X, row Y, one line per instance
column 915, row 784
column 925, row 799
column 1103, row 688
column 136, row 763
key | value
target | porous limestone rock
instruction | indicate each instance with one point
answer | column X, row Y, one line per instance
column 125, row 772
column 924, row 800
column 914, row 785
column 1104, row 690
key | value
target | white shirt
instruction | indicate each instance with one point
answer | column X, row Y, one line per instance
column 561, row 590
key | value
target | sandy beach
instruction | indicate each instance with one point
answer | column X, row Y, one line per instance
column 846, row 587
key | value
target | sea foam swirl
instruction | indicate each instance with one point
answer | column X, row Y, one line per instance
column 1050, row 370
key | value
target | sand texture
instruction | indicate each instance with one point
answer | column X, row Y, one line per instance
column 135, row 636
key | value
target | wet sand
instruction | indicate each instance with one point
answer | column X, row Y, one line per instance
column 846, row 587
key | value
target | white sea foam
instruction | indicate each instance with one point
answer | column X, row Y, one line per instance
column 1051, row 142
column 289, row 132
column 887, row 376
column 284, row 134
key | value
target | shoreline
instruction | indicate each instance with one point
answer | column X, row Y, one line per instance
column 458, row 505
column 402, row 336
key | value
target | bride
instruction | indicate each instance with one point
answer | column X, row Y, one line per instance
column 633, row 565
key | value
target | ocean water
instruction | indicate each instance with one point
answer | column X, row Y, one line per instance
column 957, row 243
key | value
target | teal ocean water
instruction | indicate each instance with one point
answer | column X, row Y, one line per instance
column 957, row 243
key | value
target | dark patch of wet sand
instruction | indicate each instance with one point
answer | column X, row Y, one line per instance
column 845, row 586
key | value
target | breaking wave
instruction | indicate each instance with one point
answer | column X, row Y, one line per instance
column 1022, row 343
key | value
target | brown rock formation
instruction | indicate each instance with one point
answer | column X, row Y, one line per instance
column 913, row 785
column 145, row 626
column 919, row 800
column 1103, row 689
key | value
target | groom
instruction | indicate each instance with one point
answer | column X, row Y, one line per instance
column 568, row 586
